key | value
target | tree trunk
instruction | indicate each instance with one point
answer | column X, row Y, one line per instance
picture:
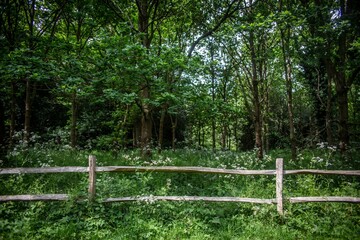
column 203, row 137
column 146, row 122
column 136, row 134
column 329, row 103
column 285, row 42
column 229, row 139
column 266, row 122
column 199, row 134
column 31, row 45
column 2, row 126
column 173, row 131
column 12, row 114
column 161, row 128
column 336, row 71
column 256, row 101
column 236, row 137
column 146, row 133
column 341, row 86
column 213, row 134
column 123, row 125
column 74, row 113
column 27, row 111
column 224, row 137
column 291, row 115
column 213, row 120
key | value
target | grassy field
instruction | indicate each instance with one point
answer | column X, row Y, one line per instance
column 179, row 220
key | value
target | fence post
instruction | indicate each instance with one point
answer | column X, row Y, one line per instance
column 92, row 177
column 279, row 185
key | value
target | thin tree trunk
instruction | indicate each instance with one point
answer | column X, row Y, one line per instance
column 74, row 113
column 2, row 126
column 173, row 131
column 342, row 87
column 27, row 111
column 266, row 138
column 122, row 127
column 224, row 137
column 288, row 77
column 12, row 114
column 213, row 120
column 257, row 109
column 237, row 144
column 203, row 137
column 266, row 122
column 199, row 134
column 213, row 134
column 229, row 139
column 291, row 116
column 236, row 135
column 161, row 128
column 329, row 103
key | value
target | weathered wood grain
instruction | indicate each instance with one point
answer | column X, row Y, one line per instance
column 92, row 177
column 190, row 198
column 172, row 169
column 43, row 170
column 279, row 185
column 183, row 170
column 28, row 197
column 323, row 199
column 324, row 172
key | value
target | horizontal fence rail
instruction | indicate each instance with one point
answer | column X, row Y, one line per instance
column 323, row 199
column 132, row 169
column 92, row 169
column 44, row 170
column 191, row 198
column 41, row 197
column 324, row 172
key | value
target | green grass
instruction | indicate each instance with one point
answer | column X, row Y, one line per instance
column 179, row 220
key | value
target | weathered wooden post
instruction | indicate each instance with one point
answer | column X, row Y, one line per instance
column 279, row 185
column 92, row 177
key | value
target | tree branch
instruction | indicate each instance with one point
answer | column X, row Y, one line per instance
column 228, row 13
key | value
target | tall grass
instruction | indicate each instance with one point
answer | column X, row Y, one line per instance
column 178, row 220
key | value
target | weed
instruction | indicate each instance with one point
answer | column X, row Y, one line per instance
column 76, row 219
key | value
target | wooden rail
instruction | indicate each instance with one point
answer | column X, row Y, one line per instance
column 173, row 169
column 93, row 169
column 44, row 170
column 191, row 198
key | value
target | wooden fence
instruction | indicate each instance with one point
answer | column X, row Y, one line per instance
column 93, row 169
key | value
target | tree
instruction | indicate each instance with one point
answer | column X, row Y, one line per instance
column 149, row 72
column 252, row 58
column 286, row 23
column 335, row 29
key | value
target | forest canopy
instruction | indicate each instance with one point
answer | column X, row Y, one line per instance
column 221, row 74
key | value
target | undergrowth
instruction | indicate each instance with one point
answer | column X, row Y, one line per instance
column 80, row 219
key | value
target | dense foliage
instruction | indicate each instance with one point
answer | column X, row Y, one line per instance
column 148, row 73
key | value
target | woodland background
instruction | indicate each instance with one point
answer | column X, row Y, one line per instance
column 233, row 74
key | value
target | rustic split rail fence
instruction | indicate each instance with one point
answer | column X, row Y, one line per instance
column 92, row 169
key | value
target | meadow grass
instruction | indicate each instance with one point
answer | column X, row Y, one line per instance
column 178, row 220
